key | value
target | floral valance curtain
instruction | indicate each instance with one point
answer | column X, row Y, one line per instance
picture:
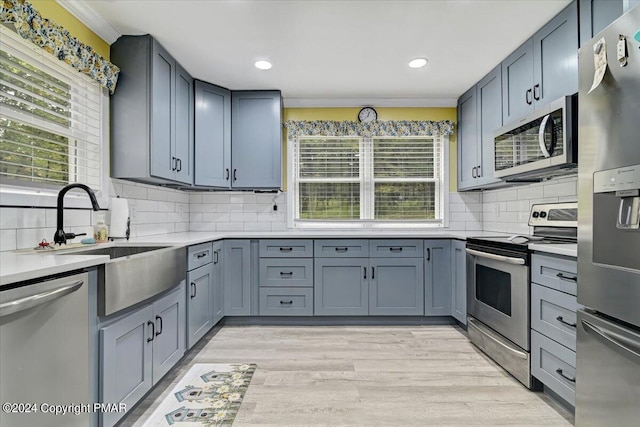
column 56, row 40
column 377, row 128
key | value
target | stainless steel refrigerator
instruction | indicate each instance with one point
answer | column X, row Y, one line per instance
column 608, row 348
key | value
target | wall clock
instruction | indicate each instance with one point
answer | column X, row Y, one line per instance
column 367, row 114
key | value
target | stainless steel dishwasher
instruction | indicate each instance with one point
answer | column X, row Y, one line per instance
column 44, row 352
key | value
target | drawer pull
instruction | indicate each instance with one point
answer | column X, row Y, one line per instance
column 286, row 273
column 342, row 249
column 569, row 278
column 286, row 249
column 202, row 254
column 561, row 320
column 561, row 373
column 290, row 302
column 395, row 249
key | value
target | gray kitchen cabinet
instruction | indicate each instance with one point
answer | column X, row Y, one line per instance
column 256, row 139
column 479, row 115
column 126, row 367
column 169, row 333
column 437, row 277
column 151, row 114
column 217, row 278
column 199, row 303
column 212, row 136
column 630, row 4
column 341, row 286
column 138, row 349
column 467, row 139
column 459, row 281
column 289, row 301
column 237, row 277
column 396, row 286
column 544, row 68
column 595, row 15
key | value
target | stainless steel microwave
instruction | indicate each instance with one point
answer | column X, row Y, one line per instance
column 542, row 144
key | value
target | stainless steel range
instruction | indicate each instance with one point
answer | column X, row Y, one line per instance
column 498, row 288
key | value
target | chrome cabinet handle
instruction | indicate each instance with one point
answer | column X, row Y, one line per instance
column 561, row 373
column 561, row 320
column 159, row 331
column 613, row 338
column 25, row 303
column 153, row 330
column 568, row 278
column 510, row 260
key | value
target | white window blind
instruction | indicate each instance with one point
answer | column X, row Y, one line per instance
column 50, row 118
column 367, row 180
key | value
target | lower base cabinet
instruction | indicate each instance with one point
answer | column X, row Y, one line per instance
column 218, row 282
column 396, row 287
column 437, row 277
column 137, row 350
column 341, row 287
column 283, row 301
column 237, row 277
column 199, row 303
column 459, row 281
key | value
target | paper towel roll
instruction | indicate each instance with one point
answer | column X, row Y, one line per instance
column 119, row 217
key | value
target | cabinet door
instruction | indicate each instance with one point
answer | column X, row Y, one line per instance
column 341, row 286
column 517, row 83
column 467, row 139
column 237, row 278
column 168, row 342
column 256, row 139
column 126, row 361
column 459, row 281
column 396, row 287
column 183, row 144
column 630, row 4
column 437, row 278
column 555, row 57
column 489, row 108
column 199, row 299
column 213, row 135
column 595, row 15
column 218, row 280
column 162, row 113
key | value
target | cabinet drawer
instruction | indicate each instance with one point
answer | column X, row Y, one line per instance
column 341, row 248
column 553, row 313
column 554, row 365
column 286, row 301
column 199, row 255
column 555, row 272
column 281, row 248
column 286, row 272
column 396, row 248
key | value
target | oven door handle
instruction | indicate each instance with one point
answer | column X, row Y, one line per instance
column 510, row 260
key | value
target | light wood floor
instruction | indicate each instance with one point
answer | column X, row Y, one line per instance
column 365, row 376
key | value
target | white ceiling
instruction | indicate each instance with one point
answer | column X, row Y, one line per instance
column 334, row 52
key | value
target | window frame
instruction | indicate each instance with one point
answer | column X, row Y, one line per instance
column 18, row 194
column 366, row 203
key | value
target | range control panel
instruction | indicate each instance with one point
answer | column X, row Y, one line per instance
column 554, row 215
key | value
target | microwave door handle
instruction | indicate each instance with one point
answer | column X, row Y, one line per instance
column 507, row 259
column 541, row 141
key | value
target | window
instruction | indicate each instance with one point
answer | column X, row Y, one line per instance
column 378, row 181
column 50, row 119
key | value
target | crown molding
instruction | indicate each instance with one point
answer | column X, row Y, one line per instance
column 363, row 102
column 92, row 19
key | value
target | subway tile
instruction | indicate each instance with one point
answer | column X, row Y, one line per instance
column 242, row 198
column 202, row 226
column 147, row 206
column 257, row 226
column 466, row 216
column 457, row 207
column 508, row 195
column 244, row 216
column 216, row 217
column 115, row 188
column 229, row 226
column 490, row 196
column 8, row 240
column 195, row 198
column 157, row 194
column 181, row 227
column 473, row 226
column 279, row 226
column 133, row 192
column 236, row 207
column 474, row 207
column 498, row 227
column 30, row 237
column 215, row 198
column 457, row 225
column 9, row 218
column 257, row 207
column 195, row 217
column 31, row 218
column 167, row 206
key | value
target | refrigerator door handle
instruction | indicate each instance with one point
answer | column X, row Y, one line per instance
column 619, row 341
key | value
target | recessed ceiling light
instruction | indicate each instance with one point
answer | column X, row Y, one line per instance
column 262, row 65
column 418, row 62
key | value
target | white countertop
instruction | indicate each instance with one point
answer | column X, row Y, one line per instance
column 21, row 266
column 566, row 249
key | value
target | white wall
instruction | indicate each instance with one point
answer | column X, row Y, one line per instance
column 155, row 210
column 507, row 210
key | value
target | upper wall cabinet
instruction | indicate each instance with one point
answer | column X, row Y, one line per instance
column 213, row 136
column 151, row 114
column 479, row 115
column 256, row 135
column 544, row 68
column 595, row 15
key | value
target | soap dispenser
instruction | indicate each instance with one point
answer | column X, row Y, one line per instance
column 100, row 230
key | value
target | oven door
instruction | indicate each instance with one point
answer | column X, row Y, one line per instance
column 498, row 293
